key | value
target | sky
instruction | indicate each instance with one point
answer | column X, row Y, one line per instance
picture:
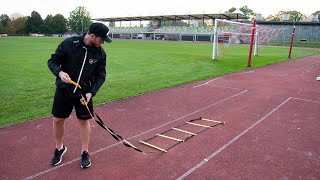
column 121, row 8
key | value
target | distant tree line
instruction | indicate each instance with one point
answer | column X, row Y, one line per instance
column 80, row 19
column 78, row 22
column 298, row 16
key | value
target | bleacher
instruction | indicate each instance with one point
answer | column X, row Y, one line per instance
column 189, row 32
column 129, row 29
column 175, row 33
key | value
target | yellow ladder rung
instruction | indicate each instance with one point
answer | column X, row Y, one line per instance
column 156, row 147
column 212, row 120
column 172, row 138
column 184, row 131
column 198, row 124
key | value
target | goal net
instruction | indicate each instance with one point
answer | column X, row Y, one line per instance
column 228, row 33
column 264, row 36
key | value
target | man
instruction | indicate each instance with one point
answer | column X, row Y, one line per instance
column 82, row 60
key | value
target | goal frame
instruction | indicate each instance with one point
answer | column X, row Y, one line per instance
column 253, row 41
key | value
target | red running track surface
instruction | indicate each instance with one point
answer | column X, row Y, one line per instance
column 272, row 117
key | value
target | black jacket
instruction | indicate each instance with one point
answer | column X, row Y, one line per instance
column 85, row 65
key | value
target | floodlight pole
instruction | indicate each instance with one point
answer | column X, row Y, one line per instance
column 251, row 42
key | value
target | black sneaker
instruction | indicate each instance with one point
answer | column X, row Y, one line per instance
column 85, row 160
column 58, row 156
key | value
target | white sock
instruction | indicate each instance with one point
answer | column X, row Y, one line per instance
column 60, row 148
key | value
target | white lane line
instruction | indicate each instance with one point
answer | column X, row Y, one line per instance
column 225, row 87
column 308, row 100
column 150, row 130
column 230, row 142
column 206, row 83
column 304, row 67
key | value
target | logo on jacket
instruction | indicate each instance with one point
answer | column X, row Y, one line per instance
column 92, row 61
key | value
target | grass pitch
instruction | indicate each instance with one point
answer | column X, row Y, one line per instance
column 133, row 67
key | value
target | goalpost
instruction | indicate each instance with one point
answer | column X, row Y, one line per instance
column 230, row 32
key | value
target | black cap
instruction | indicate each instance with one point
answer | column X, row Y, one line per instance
column 101, row 31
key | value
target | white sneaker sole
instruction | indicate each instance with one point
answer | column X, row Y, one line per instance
column 86, row 166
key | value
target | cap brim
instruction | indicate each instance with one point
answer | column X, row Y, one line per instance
column 107, row 39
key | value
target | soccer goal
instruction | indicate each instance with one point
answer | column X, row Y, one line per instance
column 228, row 33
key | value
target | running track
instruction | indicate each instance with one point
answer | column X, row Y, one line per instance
column 272, row 117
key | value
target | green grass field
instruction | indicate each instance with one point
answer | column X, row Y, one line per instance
column 134, row 67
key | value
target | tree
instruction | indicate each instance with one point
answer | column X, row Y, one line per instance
column 59, row 24
column 35, row 23
column 317, row 13
column 4, row 20
column 247, row 11
column 273, row 18
column 3, row 30
column 292, row 15
column 295, row 14
column 18, row 26
column 231, row 10
column 55, row 24
column 47, row 24
column 79, row 19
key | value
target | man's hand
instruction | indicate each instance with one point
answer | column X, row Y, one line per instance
column 88, row 98
column 64, row 77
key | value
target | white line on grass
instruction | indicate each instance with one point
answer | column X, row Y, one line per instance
column 102, row 149
column 230, row 142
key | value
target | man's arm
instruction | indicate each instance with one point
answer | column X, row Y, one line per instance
column 54, row 63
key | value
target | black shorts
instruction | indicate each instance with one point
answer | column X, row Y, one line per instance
column 63, row 104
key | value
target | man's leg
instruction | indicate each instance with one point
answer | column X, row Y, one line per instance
column 84, row 117
column 85, row 130
column 61, row 109
column 61, row 149
column 58, row 129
